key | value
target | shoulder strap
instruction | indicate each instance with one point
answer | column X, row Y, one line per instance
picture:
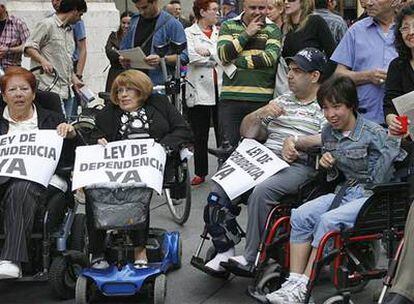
column 155, row 30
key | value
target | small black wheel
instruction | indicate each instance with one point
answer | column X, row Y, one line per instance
column 160, row 289
column 64, row 272
column 270, row 282
column 180, row 208
column 337, row 300
column 82, row 292
column 78, row 234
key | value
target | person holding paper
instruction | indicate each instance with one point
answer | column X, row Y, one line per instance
column 20, row 198
column 136, row 113
column 153, row 27
column 281, row 125
column 359, row 149
column 204, row 79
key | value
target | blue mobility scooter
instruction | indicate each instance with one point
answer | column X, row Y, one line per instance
column 118, row 210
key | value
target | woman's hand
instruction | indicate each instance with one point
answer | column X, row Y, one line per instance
column 289, row 152
column 66, row 130
column 102, row 141
column 202, row 51
column 327, row 160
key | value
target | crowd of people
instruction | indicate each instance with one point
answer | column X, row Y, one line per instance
column 290, row 74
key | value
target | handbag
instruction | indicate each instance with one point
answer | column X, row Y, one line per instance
column 281, row 81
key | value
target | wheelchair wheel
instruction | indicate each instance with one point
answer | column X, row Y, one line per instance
column 83, row 294
column 55, row 77
column 160, row 289
column 78, row 234
column 270, row 281
column 337, row 300
column 64, row 272
column 368, row 255
column 180, row 208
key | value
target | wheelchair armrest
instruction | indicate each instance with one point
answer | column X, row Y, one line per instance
column 395, row 186
column 64, row 171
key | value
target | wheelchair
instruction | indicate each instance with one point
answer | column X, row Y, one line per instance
column 352, row 254
column 176, row 187
column 163, row 248
column 57, row 242
column 264, row 262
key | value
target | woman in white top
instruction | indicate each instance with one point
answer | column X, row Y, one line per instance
column 204, row 79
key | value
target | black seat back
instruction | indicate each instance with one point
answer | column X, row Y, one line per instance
column 387, row 208
column 47, row 100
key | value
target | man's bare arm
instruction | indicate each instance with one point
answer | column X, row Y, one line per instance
column 375, row 76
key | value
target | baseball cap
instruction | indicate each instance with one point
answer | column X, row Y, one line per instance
column 309, row 59
column 227, row 2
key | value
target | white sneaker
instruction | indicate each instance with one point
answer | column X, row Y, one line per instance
column 99, row 264
column 9, row 270
column 240, row 259
column 214, row 264
column 291, row 292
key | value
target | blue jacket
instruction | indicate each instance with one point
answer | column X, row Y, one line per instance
column 367, row 154
column 167, row 29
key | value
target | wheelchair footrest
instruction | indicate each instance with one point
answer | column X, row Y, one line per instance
column 199, row 263
column 238, row 270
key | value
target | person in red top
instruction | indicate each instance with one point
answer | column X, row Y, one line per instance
column 203, row 87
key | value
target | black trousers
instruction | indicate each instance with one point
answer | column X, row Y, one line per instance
column 231, row 115
column 97, row 236
column 20, row 201
column 200, row 118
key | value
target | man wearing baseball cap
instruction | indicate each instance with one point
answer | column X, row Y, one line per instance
column 228, row 8
column 284, row 125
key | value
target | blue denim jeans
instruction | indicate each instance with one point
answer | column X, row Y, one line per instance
column 67, row 106
column 312, row 220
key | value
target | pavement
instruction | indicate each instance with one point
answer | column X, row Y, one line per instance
column 186, row 285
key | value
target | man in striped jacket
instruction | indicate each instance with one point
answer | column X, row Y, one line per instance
column 252, row 43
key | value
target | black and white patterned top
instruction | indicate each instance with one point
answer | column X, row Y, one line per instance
column 134, row 125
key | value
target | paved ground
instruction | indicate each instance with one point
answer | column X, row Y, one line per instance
column 187, row 285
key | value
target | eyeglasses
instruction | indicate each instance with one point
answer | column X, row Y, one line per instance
column 407, row 28
column 122, row 90
column 15, row 90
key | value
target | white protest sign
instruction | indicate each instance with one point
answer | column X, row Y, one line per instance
column 249, row 165
column 31, row 155
column 120, row 163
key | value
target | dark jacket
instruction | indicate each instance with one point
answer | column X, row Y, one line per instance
column 167, row 126
column 112, row 45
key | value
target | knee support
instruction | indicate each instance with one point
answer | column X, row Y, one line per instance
column 220, row 218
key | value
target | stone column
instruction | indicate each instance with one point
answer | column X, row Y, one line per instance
column 101, row 18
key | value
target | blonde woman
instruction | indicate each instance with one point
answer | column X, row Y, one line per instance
column 303, row 29
column 276, row 11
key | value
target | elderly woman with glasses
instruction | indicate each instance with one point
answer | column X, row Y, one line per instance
column 399, row 81
column 21, row 198
column 135, row 113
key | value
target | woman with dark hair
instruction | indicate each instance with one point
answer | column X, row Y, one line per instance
column 135, row 113
column 20, row 198
column 204, row 78
column 363, row 153
column 400, row 75
column 112, row 47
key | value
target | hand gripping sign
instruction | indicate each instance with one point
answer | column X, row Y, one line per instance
column 249, row 165
column 31, row 155
column 125, row 162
